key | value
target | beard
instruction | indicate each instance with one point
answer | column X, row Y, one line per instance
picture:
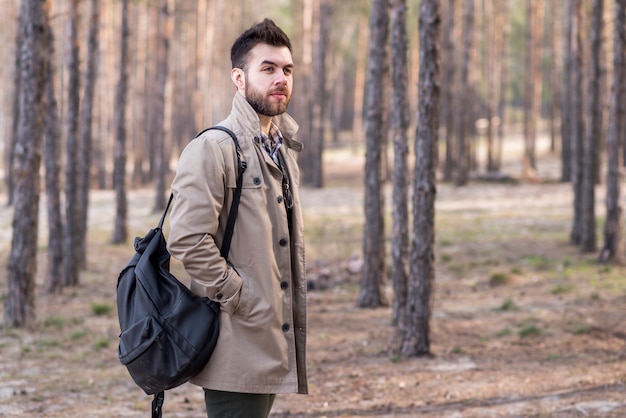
column 263, row 104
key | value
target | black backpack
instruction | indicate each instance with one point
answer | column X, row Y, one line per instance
column 167, row 332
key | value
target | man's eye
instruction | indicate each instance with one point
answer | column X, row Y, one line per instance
column 268, row 69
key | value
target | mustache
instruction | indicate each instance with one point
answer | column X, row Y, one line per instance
column 280, row 90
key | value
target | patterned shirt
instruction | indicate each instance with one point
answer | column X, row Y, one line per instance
column 272, row 143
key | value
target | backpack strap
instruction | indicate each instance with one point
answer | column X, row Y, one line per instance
column 232, row 214
column 157, row 404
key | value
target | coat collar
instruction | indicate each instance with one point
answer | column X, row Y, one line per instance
column 249, row 121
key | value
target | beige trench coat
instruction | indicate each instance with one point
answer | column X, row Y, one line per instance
column 262, row 288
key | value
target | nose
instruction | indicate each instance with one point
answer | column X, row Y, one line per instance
column 281, row 78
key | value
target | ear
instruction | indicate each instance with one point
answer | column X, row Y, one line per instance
column 239, row 78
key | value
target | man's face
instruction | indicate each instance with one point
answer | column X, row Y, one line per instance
column 269, row 79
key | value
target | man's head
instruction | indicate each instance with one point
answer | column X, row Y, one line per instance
column 262, row 68
column 265, row 32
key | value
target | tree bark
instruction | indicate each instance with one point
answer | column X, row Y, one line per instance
column 400, row 176
column 416, row 336
column 464, row 97
column 54, row 281
column 447, row 90
column 10, row 152
column 86, row 129
column 372, row 279
column 612, row 248
column 532, row 87
column 566, row 99
column 19, row 306
column 576, row 121
column 120, row 228
column 72, row 220
column 157, row 131
column 592, row 133
column 503, row 67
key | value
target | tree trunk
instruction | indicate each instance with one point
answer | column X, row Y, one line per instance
column 490, row 30
column 72, row 220
column 54, row 280
column 416, row 335
column 503, row 67
column 532, row 87
column 86, row 129
column 555, row 75
column 157, row 131
column 464, row 97
column 612, row 248
column 19, row 305
column 592, row 133
column 311, row 159
column 566, row 100
column 120, row 229
column 371, row 294
column 10, row 152
column 359, row 83
column 576, row 121
column 399, row 125
column 447, row 90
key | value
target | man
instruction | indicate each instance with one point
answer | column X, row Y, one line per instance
column 262, row 287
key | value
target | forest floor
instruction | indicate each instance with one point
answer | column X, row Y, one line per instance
column 523, row 324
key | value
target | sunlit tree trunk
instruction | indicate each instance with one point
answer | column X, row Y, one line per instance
column 86, row 129
column 612, row 248
column 566, row 98
column 19, row 304
column 373, row 274
column 311, row 159
column 490, row 30
column 416, row 333
column 502, row 38
column 400, row 177
column 554, row 25
column 464, row 97
column 532, row 86
column 54, row 281
column 359, row 82
column 157, row 131
column 72, row 220
column 592, row 133
column 448, row 65
column 576, row 121
column 10, row 142
column 120, row 228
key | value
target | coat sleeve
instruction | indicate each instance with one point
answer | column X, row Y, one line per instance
column 199, row 189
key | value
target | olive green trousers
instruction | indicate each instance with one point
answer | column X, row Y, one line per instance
column 237, row 405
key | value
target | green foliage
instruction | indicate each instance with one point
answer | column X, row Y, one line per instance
column 508, row 305
column 54, row 322
column 562, row 288
column 529, row 330
column 499, row 279
column 504, row 332
column 101, row 343
column 101, row 308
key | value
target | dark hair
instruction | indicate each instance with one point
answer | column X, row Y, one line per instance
column 264, row 32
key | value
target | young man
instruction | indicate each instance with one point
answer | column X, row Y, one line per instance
column 262, row 286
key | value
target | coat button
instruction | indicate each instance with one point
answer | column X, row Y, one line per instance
column 282, row 242
column 256, row 181
column 279, row 199
column 284, row 285
column 285, row 327
column 219, row 296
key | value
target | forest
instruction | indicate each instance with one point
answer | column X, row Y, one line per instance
column 461, row 190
